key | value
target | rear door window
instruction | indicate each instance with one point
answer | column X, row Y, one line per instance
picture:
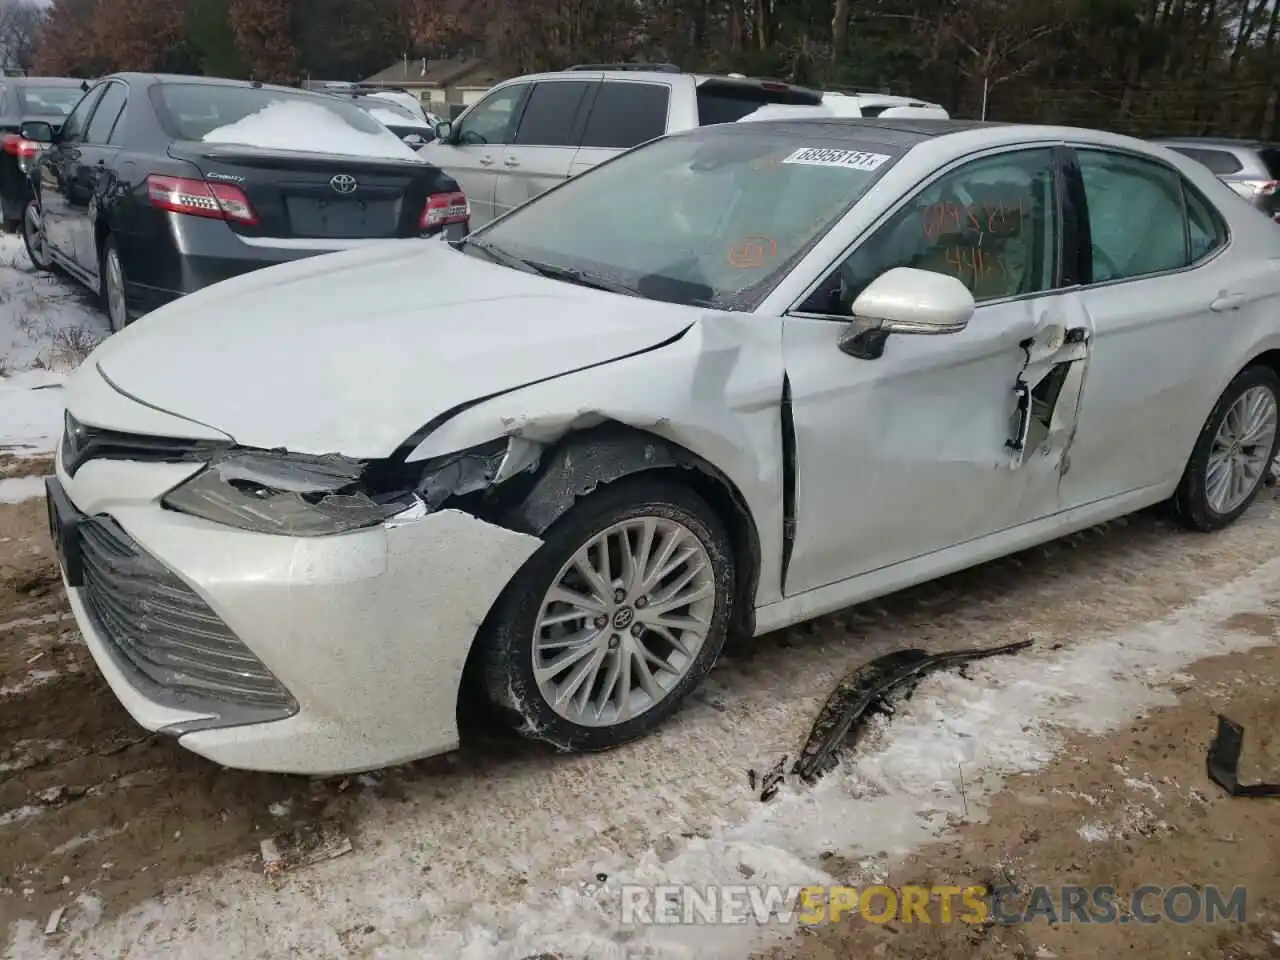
column 551, row 114
column 625, row 115
column 1137, row 222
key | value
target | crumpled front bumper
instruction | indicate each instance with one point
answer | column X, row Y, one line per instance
column 368, row 632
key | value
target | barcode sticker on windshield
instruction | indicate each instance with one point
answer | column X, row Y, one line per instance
column 831, row 157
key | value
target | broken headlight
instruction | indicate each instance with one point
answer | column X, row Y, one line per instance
column 286, row 494
column 307, row 496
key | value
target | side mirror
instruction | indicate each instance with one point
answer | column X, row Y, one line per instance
column 415, row 141
column 444, row 131
column 37, row 131
column 909, row 301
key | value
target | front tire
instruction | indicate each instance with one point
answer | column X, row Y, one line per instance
column 1233, row 454
column 614, row 620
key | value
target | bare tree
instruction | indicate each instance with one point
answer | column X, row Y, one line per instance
column 20, row 23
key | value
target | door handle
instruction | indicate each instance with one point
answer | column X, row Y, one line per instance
column 511, row 162
column 486, row 161
column 1227, row 302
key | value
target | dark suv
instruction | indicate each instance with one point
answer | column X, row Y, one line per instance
column 1249, row 167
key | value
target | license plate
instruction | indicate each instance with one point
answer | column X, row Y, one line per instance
column 64, row 530
column 342, row 219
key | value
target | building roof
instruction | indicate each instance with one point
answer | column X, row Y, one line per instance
column 437, row 73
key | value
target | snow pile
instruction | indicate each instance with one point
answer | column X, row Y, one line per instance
column 309, row 128
column 544, row 879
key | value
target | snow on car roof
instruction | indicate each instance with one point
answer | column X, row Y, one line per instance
column 310, row 127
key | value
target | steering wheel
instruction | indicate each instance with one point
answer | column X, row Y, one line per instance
column 1101, row 258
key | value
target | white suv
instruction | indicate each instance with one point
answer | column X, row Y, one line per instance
column 530, row 133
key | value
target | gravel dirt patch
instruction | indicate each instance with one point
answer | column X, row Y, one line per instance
column 91, row 805
column 1126, row 810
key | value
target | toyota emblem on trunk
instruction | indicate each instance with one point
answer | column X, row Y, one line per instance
column 344, row 183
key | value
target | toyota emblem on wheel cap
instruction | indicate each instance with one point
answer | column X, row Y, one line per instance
column 344, row 183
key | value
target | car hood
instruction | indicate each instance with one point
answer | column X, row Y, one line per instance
column 355, row 352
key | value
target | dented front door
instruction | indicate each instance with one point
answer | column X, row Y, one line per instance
column 918, row 450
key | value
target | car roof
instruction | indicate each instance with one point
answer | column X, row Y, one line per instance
column 954, row 136
column 165, row 78
column 1212, row 142
column 896, row 132
column 46, row 81
column 656, row 75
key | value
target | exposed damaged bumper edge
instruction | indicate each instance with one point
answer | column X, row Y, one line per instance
column 857, row 696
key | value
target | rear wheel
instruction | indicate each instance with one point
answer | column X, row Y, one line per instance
column 615, row 619
column 113, row 286
column 34, row 238
column 1233, row 455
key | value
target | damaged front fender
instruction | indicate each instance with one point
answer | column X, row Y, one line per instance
column 709, row 402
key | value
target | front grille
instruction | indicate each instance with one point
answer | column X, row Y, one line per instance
column 170, row 638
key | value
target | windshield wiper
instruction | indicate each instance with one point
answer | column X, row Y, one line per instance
column 567, row 274
column 582, row 279
column 497, row 255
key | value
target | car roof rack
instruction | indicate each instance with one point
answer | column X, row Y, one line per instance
column 644, row 67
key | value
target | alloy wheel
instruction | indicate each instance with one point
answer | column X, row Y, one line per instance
column 1241, row 451
column 623, row 621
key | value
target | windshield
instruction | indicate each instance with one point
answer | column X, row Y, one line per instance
column 50, row 101
column 716, row 217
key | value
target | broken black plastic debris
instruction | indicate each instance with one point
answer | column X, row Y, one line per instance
column 864, row 692
column 1223, row 762
column 773, row 779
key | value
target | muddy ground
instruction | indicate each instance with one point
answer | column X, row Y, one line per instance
column 89, row 803
column 1127, row 810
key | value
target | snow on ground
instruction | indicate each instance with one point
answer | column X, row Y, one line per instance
column 547, row 876
column 17, row 489
column 47, row 327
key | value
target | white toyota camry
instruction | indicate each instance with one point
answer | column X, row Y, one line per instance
column 731, row 380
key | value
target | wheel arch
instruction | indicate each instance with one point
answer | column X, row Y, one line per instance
column 581, row 461
column 1267, row 358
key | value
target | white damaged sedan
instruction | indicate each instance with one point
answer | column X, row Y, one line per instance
column 731, row 380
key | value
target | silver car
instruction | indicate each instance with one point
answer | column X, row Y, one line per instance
column 530, row 133
column 731, row 380
column 1249, row 167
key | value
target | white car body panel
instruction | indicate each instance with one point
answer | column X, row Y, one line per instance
column 901, row 473
column 888, row 106
column 300, row 604
column 296, row 379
